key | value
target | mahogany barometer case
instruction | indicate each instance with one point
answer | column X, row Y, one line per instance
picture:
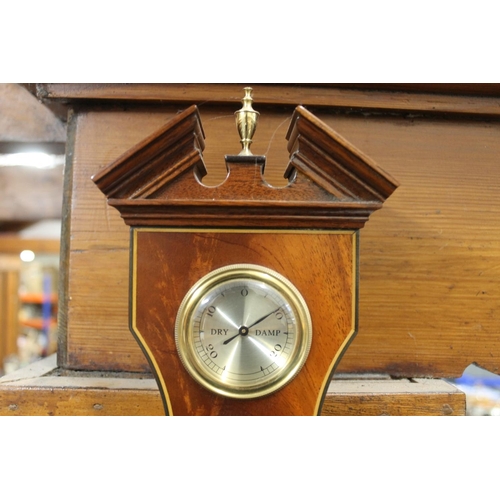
column 243, row 296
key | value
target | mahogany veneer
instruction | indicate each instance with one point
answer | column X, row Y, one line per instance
column 183, row 229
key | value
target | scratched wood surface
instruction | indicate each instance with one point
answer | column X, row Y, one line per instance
column 428, row 260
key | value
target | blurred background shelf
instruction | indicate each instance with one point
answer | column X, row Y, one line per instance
column 482, row 391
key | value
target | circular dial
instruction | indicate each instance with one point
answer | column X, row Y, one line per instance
column 243, row 331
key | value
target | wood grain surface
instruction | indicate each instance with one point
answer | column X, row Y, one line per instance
column 41, row 389
column 429, row 99
column 428, row 266
column 393, row 397
column 168, row 263
column 428, row 259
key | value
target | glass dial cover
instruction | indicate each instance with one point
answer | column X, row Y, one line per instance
column 243, row 331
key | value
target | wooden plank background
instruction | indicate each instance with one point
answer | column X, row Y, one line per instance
column 429, row 268
column 429, row 287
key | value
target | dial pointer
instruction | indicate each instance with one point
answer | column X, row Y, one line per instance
column 263, row 318
column 229, row 339
column 244, row 329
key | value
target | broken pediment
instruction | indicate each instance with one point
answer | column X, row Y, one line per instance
column 159, row 182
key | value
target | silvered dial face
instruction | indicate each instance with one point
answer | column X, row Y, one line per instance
column 243, row 331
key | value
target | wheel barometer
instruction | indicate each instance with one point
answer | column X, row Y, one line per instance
column 243, row 297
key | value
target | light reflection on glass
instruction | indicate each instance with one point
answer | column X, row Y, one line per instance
column 267, row 352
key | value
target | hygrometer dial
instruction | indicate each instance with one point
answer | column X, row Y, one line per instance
column 243, row 331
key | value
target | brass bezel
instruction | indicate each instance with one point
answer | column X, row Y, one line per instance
column 207, row 378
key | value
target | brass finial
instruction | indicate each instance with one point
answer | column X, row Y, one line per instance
column 246, row 122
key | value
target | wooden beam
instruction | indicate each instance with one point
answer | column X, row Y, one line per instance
column 42, row 389
column 55, row 148
column 30, row 194
column 25, row 119
column 409, row 99
column 14, row 245
column 475, row 89
column 398, row 397
column 9, row 311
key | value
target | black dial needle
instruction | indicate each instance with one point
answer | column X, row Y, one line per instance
column 244, row 329
column 234, row 336
column 263, row 318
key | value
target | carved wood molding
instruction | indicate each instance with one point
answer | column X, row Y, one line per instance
column 159, row 182
column 319, row 152
column 157, row 160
